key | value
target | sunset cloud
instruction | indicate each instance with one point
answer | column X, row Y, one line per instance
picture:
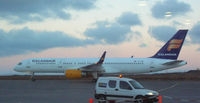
column 169, row 8
column 20, row 11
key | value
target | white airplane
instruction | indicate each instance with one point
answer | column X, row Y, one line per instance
column 165, row 58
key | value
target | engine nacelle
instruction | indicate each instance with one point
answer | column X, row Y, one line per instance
column 74, row 74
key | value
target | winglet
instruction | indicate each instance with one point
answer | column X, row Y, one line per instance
column 102, row 58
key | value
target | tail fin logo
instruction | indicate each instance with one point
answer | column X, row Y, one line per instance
column 174, row 44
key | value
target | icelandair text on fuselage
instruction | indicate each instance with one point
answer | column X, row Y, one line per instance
column 43, row 60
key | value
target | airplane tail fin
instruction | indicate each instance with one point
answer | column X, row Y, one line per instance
column 172, row 48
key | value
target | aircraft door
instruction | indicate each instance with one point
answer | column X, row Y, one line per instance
column 28, row 64
column 60, row 65
column 152, row 66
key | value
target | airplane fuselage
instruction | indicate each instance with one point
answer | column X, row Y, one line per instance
column 110, row 65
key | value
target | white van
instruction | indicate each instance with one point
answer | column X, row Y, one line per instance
column 123, row 89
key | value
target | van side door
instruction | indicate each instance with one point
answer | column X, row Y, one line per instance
column 125, row 90
column 112, row 89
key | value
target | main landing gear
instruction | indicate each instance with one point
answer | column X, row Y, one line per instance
column 95, row 76
column 32, row 77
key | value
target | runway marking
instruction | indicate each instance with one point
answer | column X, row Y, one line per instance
column 164, row 89
column 167, row 97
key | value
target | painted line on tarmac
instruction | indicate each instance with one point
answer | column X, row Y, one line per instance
column 167, row 97
column 164, row 89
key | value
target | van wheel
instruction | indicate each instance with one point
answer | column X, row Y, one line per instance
column 102, row 99
column 139, row 99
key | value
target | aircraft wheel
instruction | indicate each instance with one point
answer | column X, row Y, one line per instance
column 94, row 80
column 33, row 79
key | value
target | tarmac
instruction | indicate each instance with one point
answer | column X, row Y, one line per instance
column 80, row 91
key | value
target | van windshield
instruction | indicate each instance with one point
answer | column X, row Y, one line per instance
column 136, row 84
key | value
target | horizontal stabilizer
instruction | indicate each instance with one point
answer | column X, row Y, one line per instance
column 173, row 62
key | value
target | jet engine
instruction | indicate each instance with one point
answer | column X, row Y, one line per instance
column 74, row 74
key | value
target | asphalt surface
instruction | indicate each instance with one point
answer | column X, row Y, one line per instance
column 80, row 91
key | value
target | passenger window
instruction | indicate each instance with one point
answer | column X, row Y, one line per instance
column 125, row 85
column 103, row 85
column 112, row 83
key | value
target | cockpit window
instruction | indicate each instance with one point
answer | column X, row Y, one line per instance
column 20, row 63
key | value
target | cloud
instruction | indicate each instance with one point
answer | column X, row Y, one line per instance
column 108, row 33
column 170, row 8
column 162, row 33
column 194, row 33
column 116, row 32
column 143, row 45
column 198, row 49
column 19, row 11
column 176, row 23
column 129, row 18
column 25, row 41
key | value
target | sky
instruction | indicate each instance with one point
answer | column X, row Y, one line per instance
column 86, row 28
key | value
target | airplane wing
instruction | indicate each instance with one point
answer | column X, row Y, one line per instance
column 95, row 67
column 173, row 62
